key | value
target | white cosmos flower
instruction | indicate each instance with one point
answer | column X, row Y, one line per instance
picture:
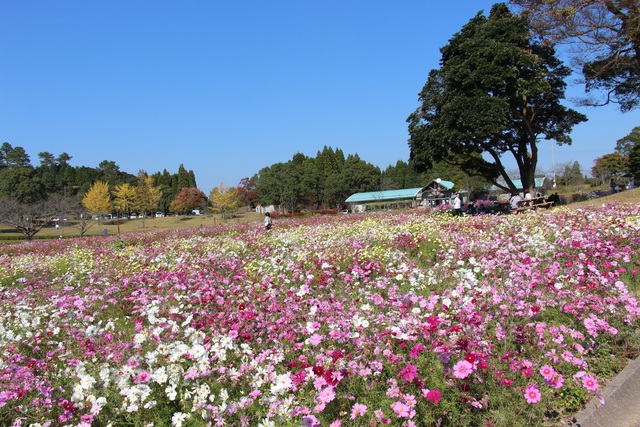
column 171, row 391
column 160, row 375
column 87, row 381
column 198, row 352
column 359, row 321
column 203, row 390
column 178, row 418
column 281, row 384
column 78, row 394
column 139, row 339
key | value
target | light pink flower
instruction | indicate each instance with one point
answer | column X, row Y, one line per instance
column 326, row 395
column 358, row 410
column 315, row 339
column 401, row 410
column 462, row 369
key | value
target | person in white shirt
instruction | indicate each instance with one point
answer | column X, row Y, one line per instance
column 457, row 205
column 514, row 201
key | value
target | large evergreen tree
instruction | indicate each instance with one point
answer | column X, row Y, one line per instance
column 634, row 163
column 625, row 144
column 497, row 92
column 604, row 41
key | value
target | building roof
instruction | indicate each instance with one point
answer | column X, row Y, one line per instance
column 377, row 196
column 442, row 183
column 537, row 182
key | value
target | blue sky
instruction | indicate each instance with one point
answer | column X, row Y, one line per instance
column 229, row 87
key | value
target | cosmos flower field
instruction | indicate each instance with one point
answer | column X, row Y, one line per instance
column 400, row 318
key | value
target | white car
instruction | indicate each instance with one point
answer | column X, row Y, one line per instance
column 159, row 215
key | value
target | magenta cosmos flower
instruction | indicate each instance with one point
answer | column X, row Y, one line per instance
column 532, row 394
column 547, row 372
column 590, row 383
column 432, row 395
column 409, row 372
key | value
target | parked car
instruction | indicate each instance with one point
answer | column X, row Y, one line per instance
column 159, row 215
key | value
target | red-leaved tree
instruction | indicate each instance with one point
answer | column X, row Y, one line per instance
column 186, row 200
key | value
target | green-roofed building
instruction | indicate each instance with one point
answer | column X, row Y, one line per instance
column 437, row 192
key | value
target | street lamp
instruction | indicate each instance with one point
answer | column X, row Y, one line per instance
column 118, row 218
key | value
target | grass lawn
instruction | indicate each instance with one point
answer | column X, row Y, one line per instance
column 71, row 229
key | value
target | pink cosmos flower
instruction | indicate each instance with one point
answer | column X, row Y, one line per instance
column 590, row 383
column 462, row 369
column 299, row 377
column 532, row 394
column 358, row 410
column 506, row 382
column 547, row 372
column 415, row 351
column 326, row 395
column 401, row 410
column 409, row 372
column 142, row 377
column 315, row 339
column 336, row 423
column 556, row 381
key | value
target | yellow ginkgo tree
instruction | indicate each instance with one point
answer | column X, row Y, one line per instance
column 226, row 199
column 98, row 200
column 125, row 195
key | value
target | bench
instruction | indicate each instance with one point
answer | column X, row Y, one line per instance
column 532, row 205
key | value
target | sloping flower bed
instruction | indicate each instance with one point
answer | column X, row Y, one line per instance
column 401, row 318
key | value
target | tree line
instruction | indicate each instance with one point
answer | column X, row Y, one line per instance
column 330, row 177
column 54, row 175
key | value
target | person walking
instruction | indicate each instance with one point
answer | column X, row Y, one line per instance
column 267, row 221
column 613, row 186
